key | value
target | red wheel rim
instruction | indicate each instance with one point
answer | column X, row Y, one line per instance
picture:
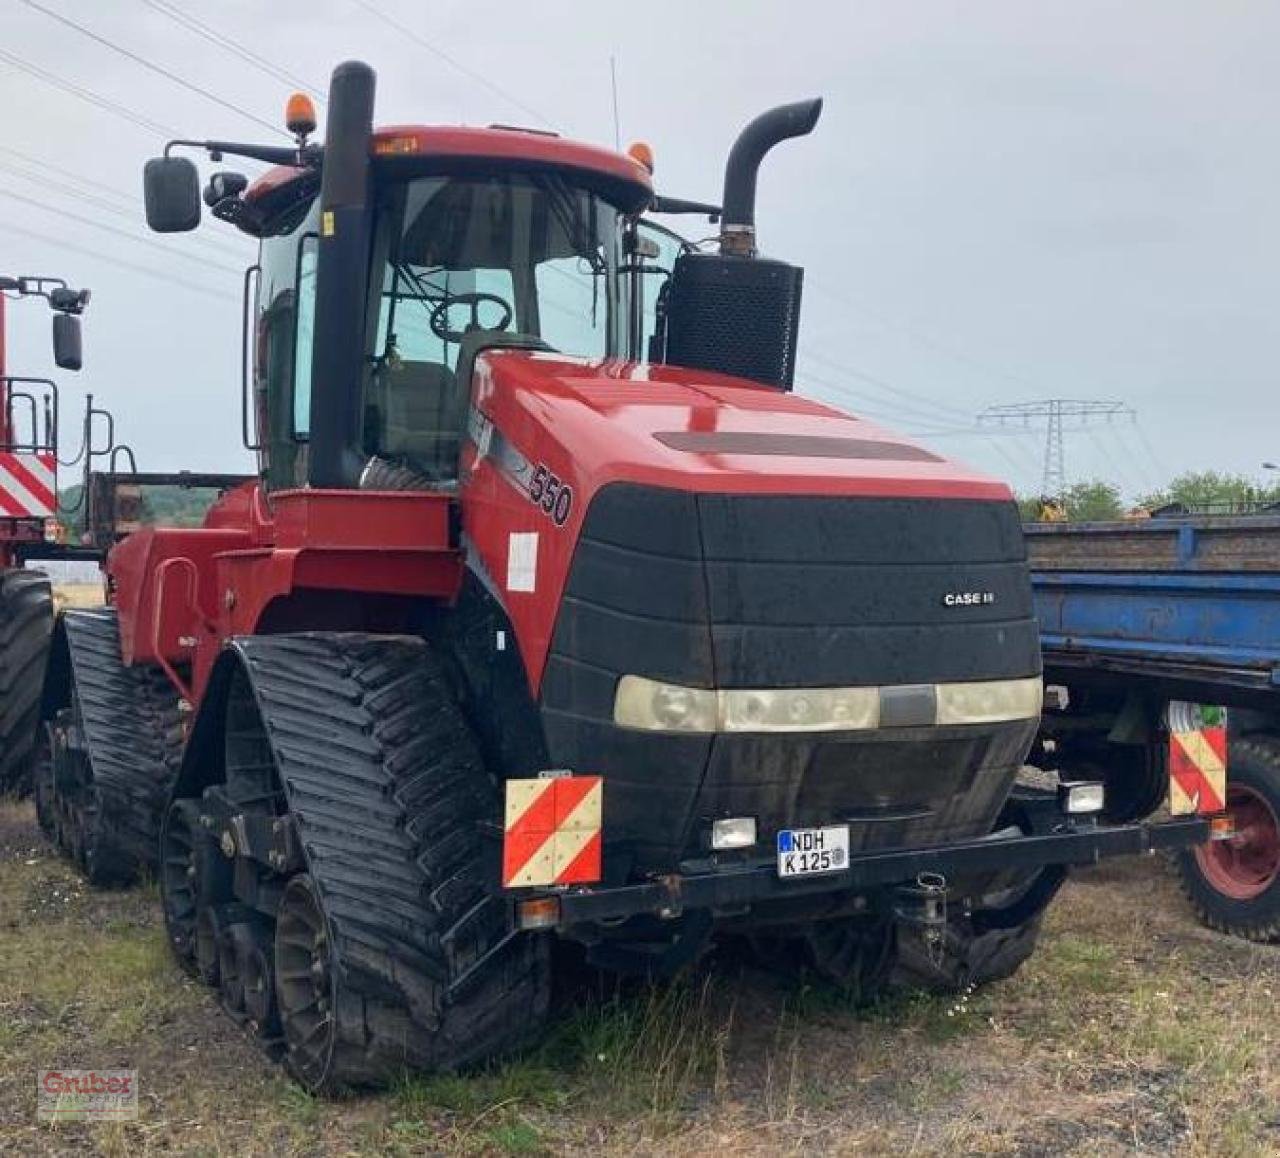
column 1248, row 864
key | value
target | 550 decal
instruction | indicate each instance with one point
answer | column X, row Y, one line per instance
column 553, row 497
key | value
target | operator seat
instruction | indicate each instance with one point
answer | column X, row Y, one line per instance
column 417, row 413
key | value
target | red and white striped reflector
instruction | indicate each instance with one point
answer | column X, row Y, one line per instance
column 28, row 485
column 1197, row 771
column 552, row 831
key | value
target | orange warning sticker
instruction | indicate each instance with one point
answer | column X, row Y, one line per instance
column 551, row 831
column 1197, row 771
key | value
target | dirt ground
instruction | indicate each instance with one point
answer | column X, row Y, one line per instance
column 1133, row 1030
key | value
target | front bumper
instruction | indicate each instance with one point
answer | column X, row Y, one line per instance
column 707, row 885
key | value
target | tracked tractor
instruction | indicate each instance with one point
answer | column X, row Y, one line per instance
column 553, row 617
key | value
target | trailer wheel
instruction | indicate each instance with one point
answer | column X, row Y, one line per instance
column 26, row 622
column 1234, row 885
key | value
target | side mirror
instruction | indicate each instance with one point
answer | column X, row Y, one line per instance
column 171, row 189
column 66, row 341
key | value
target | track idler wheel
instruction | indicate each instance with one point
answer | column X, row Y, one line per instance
column 305, row 983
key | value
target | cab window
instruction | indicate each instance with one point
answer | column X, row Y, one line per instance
column 464, row 260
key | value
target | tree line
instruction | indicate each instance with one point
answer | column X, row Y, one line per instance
column 1207, row 492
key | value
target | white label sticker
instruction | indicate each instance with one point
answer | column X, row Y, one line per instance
column 522, row 561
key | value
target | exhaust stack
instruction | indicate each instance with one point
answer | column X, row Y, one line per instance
column 734, row 312
column 334, row 458
column 738, row 223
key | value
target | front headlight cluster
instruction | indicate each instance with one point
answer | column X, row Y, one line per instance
column 652, row 705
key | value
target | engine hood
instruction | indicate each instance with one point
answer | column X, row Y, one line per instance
column 694, row 430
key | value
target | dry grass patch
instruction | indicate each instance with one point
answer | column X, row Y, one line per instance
column 1132, row 1030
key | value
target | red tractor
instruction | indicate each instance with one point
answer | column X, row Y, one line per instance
column 28, row 520
column 553, row 616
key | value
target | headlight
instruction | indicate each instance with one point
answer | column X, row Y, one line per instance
column 989, row 702
column 800, row 710
column 659, row 707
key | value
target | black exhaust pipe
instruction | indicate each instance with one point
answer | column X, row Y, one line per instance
column 337, row 366
column 738, row 224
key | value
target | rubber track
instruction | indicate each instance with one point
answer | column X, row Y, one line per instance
column 387, row 787
column 133, row 733
column 26, row 622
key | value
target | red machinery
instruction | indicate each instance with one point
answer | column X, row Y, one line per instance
column 552, row 611
column 28, row 520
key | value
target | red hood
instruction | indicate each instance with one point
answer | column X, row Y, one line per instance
column 694, row 430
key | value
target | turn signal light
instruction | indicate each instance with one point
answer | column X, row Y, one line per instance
column 1222, row 827
column 539, row 913
column 300, row 114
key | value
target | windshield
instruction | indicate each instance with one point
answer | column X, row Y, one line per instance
column 461, row 259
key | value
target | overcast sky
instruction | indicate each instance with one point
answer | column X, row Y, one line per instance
column 1002, row 202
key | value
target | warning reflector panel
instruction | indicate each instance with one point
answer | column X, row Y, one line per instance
column 551, row 831
column 1197, row 771
column 28, row 488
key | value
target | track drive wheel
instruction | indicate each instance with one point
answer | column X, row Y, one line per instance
column 26, row 622
column 1234, row 885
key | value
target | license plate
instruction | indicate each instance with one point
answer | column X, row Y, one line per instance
column 806, row 852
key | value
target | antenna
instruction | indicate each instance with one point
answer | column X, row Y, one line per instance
column 613, row 80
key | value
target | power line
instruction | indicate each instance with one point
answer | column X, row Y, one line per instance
column 89, row 221
column 918, row 336
column 93, row 98
column 45, row 167
column 213, row 36
column 452, row 61
column 151, row 66
column 1054, row 411
column 115, row 262
column 951, row 413
column 130, row 214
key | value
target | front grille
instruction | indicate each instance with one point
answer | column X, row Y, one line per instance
column 788, row 591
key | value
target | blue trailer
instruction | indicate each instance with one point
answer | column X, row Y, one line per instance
column 1140, row 618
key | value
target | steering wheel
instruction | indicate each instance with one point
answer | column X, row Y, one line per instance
column 440, row 315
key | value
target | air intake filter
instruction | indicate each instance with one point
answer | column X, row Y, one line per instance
column 735, row 315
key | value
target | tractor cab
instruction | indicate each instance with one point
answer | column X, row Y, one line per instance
column 468, row 239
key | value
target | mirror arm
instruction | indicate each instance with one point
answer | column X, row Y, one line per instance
column 306, row 157
column 661, row 204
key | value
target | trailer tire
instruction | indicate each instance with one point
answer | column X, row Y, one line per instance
column 1234, row 886
column 26, row 623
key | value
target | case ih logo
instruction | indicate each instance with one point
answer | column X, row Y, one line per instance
column 968, row 598
column 86, row 1095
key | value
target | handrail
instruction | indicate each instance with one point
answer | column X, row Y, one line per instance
column 157, row 621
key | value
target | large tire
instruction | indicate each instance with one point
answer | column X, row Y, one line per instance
column 393, row 948
column 1234, row 886
column 26, row 621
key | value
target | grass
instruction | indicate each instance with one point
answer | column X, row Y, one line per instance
column 1131, row 1029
